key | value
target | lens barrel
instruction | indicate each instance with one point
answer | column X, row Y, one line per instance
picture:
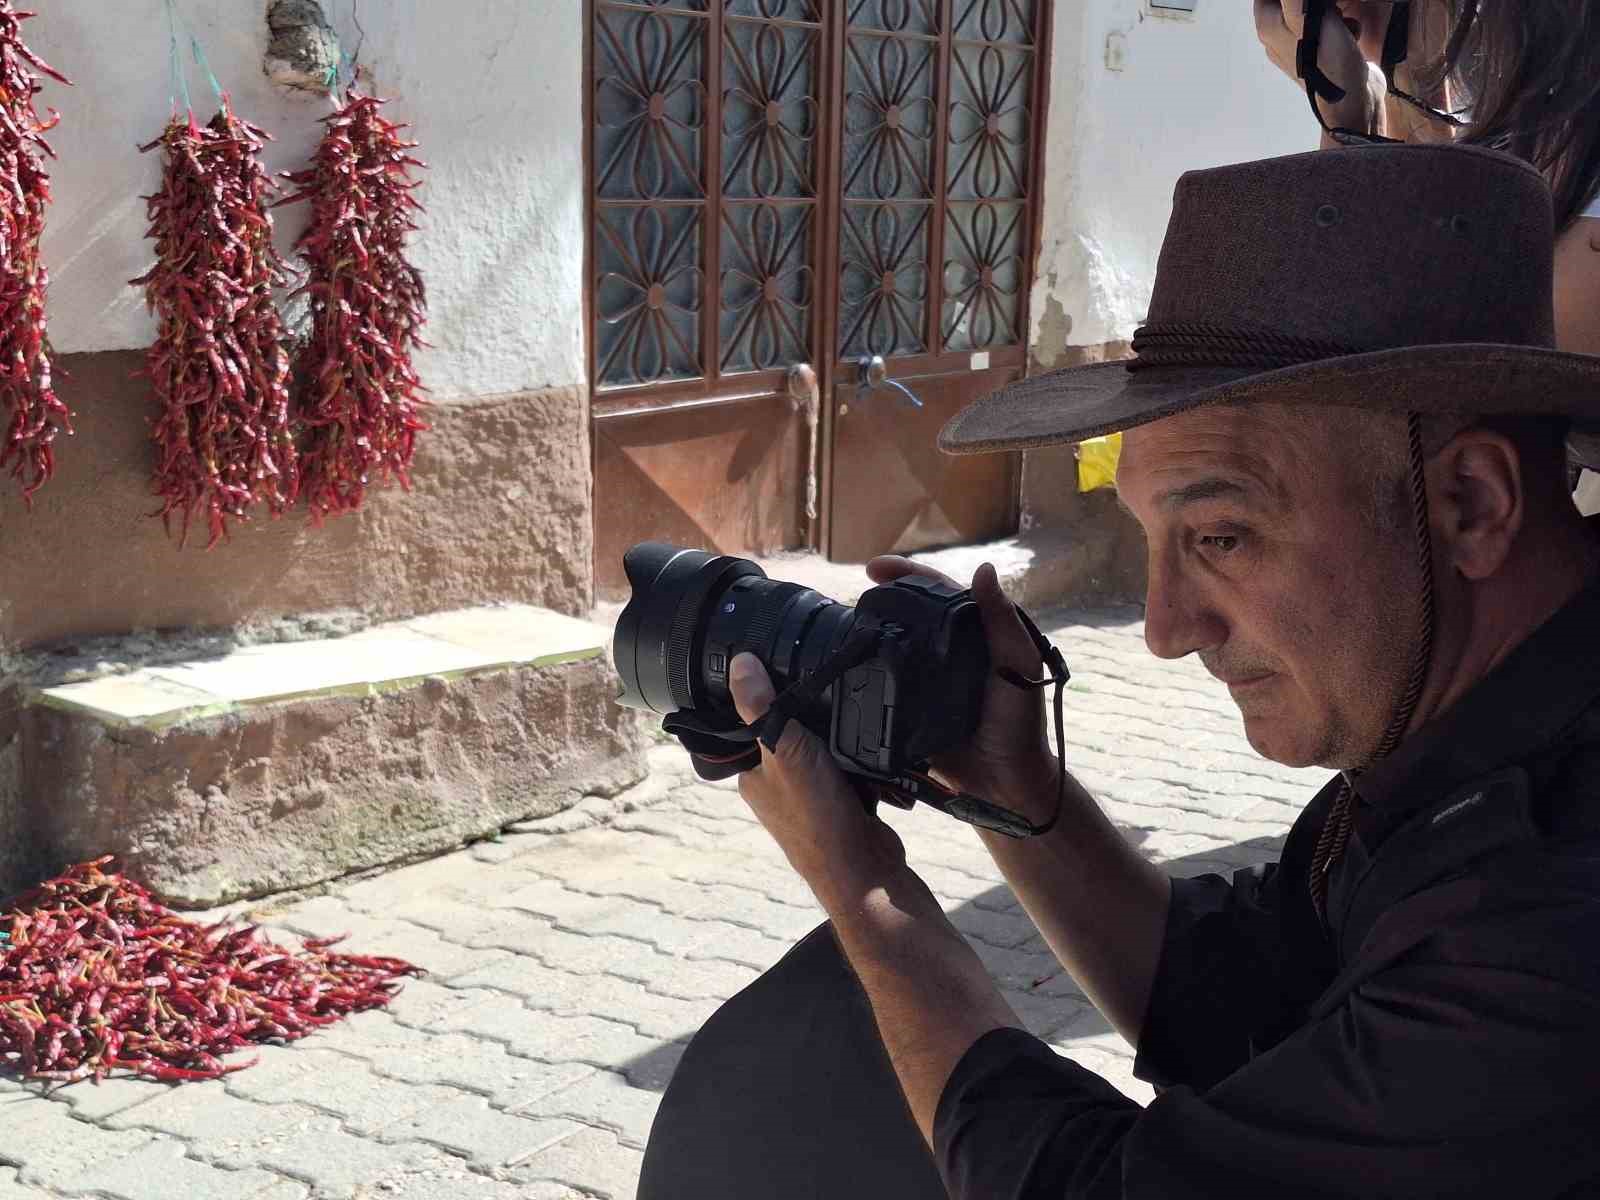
column 691, row 613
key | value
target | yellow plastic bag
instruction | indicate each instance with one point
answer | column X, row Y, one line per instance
column 1097, row 462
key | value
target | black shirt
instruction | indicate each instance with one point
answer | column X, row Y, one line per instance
column 1440, row 1037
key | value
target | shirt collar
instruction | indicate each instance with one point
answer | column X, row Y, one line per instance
column 1523, row 705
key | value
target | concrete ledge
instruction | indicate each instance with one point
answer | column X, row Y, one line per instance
column 278, row 766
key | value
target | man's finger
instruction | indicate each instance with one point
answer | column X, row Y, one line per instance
column 886, row 568
column 751, row 686
column 1009, row 643
column 1270, row 23
column 753, row 694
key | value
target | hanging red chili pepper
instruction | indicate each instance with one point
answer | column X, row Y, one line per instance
column 218, row 364
column 95, row 976
column 31, row 412
column 362, row 400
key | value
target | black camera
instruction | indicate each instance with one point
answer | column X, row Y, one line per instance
column 887, row 684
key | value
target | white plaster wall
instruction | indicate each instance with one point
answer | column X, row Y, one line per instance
column 1192, row 91
column 494, row 91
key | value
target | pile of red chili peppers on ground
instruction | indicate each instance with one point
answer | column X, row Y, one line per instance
column 96, row 976
column 362, row 397
column 30, row 412
column 218, row 364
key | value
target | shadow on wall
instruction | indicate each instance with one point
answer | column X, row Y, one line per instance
column 1051, row 1003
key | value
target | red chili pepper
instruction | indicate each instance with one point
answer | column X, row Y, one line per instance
column 100, row 977
column 31, row 414
column 218, row 365
column 363, row 399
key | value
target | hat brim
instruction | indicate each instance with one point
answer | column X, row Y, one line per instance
column 1076, row 403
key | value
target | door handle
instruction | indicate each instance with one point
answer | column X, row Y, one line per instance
column 872, row 373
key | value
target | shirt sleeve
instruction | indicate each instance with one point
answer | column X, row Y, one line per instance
column 1458, row 1074
column 1222, row 946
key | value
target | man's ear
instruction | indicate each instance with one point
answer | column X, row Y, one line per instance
column 1476, row 500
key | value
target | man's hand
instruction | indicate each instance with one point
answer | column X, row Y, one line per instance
column 1279, row 25
column 1008, row 760
column 821, row 821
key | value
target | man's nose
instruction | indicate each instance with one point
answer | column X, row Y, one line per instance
column 1178, row 620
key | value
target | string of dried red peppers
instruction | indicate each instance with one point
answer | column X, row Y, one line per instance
column 362, row 399
column 218, row 364
column 31, row 412
column 96, row 976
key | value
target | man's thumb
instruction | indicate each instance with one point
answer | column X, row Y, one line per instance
column 751, row 687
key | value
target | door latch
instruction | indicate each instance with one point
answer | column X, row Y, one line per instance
column 873, row 373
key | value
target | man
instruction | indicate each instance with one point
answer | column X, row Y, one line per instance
column 1345, row 441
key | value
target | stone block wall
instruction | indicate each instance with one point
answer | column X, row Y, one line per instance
column 285, row 795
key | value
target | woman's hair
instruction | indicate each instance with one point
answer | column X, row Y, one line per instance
column 1530, row 74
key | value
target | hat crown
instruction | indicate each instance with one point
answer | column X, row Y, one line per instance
column 1367, row 248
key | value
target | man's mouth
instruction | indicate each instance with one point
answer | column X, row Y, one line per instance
column 1244, row 682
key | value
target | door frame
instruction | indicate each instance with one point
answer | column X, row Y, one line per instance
column 716, row 389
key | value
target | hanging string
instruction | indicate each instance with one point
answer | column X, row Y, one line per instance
column 180, row 76
column 200, row 59
column 179, row 82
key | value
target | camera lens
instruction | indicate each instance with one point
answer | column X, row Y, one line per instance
column 691, row 613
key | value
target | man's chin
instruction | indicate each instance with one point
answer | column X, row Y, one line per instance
column 1282, row 742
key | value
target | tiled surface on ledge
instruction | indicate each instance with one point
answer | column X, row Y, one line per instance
column 449, row 643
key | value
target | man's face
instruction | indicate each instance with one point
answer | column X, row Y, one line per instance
column 1276, row 556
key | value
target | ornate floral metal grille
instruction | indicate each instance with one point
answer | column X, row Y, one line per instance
column 707, row 119
column 718, row 163
column 936, row 168
column 988, row 173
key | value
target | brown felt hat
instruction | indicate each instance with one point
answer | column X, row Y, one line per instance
column 1408, row 278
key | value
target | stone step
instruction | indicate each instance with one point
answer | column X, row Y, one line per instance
column 281, row 765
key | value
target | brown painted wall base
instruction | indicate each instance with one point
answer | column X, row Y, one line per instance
column 501, row 512
column 290, row 794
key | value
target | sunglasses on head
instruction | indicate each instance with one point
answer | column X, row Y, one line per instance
column 1395, row 43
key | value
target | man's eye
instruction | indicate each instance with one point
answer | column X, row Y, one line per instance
column 1221, row 543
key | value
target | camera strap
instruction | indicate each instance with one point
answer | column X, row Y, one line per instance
column 975, row 810
column 720, row 751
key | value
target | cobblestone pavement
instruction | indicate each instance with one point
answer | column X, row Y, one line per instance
column 571, row 960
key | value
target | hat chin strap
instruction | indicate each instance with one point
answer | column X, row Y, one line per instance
column 1335, row 833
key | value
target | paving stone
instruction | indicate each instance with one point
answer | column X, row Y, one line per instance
column 1020, row 968
column 427, row 1005
column 1007, row 928
column 604, row 1099
column 338, row 1165
column 452, row 1060
column 592, row 1160
column 364, row 1101
column 487, row 1138
column 551, row 1037
column 327, row 916
column 768, row 878
column 436, row 1175
column 596, row 954
column 94, row 1102
column 161, row 1171
column 652, row 1013
column 52, row 1148
column 217, row 1127
column 458, row 872
column 11, row 1188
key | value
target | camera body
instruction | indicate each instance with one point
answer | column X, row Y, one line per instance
column 923, row 691
column 919, row 690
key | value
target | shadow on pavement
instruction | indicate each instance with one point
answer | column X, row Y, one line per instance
column 653, row 1070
